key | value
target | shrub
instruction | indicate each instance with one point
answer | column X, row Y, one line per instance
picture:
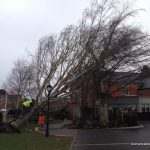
column 2, row 128
column 61, row 114
column 144, row 116
column 131, row 119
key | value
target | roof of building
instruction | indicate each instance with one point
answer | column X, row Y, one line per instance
column 10, row 96
column 123, row 100
column 2, row 91
column 123, row 77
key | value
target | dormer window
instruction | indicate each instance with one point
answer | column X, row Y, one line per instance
column 125, row 91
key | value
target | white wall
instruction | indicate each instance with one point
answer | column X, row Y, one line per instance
column 144, row 102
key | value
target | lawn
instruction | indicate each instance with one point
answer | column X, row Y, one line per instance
column 30, row 140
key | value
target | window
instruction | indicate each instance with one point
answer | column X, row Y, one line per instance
column 147, row 107
column 143, row 108
column 134, row 108
column 114, row 110
column 125, row 91
column 129, row 109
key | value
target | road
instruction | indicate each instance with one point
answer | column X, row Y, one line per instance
column 110, row 139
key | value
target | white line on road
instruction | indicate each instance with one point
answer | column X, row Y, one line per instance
column 103, row 144
column 72, row 144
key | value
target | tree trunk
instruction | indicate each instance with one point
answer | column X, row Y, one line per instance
column 103, row 115
column 20, row 122
column 103, row 106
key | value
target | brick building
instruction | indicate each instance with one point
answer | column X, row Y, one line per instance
column 127, row 91
column 8, row 101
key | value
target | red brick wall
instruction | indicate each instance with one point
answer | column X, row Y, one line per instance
column 145, row 92
column 116, row 91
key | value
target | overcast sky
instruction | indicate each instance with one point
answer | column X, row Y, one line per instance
column 24, row 22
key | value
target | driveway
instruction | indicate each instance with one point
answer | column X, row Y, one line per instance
column 109, row 139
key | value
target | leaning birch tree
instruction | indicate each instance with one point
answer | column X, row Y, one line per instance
column 102, row 42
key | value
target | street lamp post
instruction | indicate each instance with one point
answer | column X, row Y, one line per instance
column 49, row 89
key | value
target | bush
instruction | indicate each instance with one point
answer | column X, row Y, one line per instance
column 1, row 119
column 61, row 114
column 114, row 123
column 131, row 119
column 144, row 116
column 87, row 124
column 14, row 112
column 2, row 128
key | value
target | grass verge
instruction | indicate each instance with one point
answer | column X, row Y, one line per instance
column 30, row 140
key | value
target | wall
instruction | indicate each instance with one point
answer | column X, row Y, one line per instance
column 144, row 102
column 2, row 101
column 144, row 92
column 116, row 90
column 146, row 82
column 11, row 101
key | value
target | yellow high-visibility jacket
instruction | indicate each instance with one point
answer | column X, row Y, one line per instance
column 27, row 103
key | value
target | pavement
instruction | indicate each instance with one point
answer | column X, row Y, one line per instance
column 107, row 139
column 58, row 130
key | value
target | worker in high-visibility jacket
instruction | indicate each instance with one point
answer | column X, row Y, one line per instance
column 41, row 121
column 26, row 105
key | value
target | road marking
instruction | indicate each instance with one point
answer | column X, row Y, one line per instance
column 102, row 144
column 72, row 144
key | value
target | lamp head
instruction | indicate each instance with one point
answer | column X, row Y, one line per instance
column 49, row 88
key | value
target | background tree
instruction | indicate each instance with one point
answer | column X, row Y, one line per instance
column 20, row 80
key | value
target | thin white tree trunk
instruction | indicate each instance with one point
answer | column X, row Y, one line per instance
column 103, row 115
